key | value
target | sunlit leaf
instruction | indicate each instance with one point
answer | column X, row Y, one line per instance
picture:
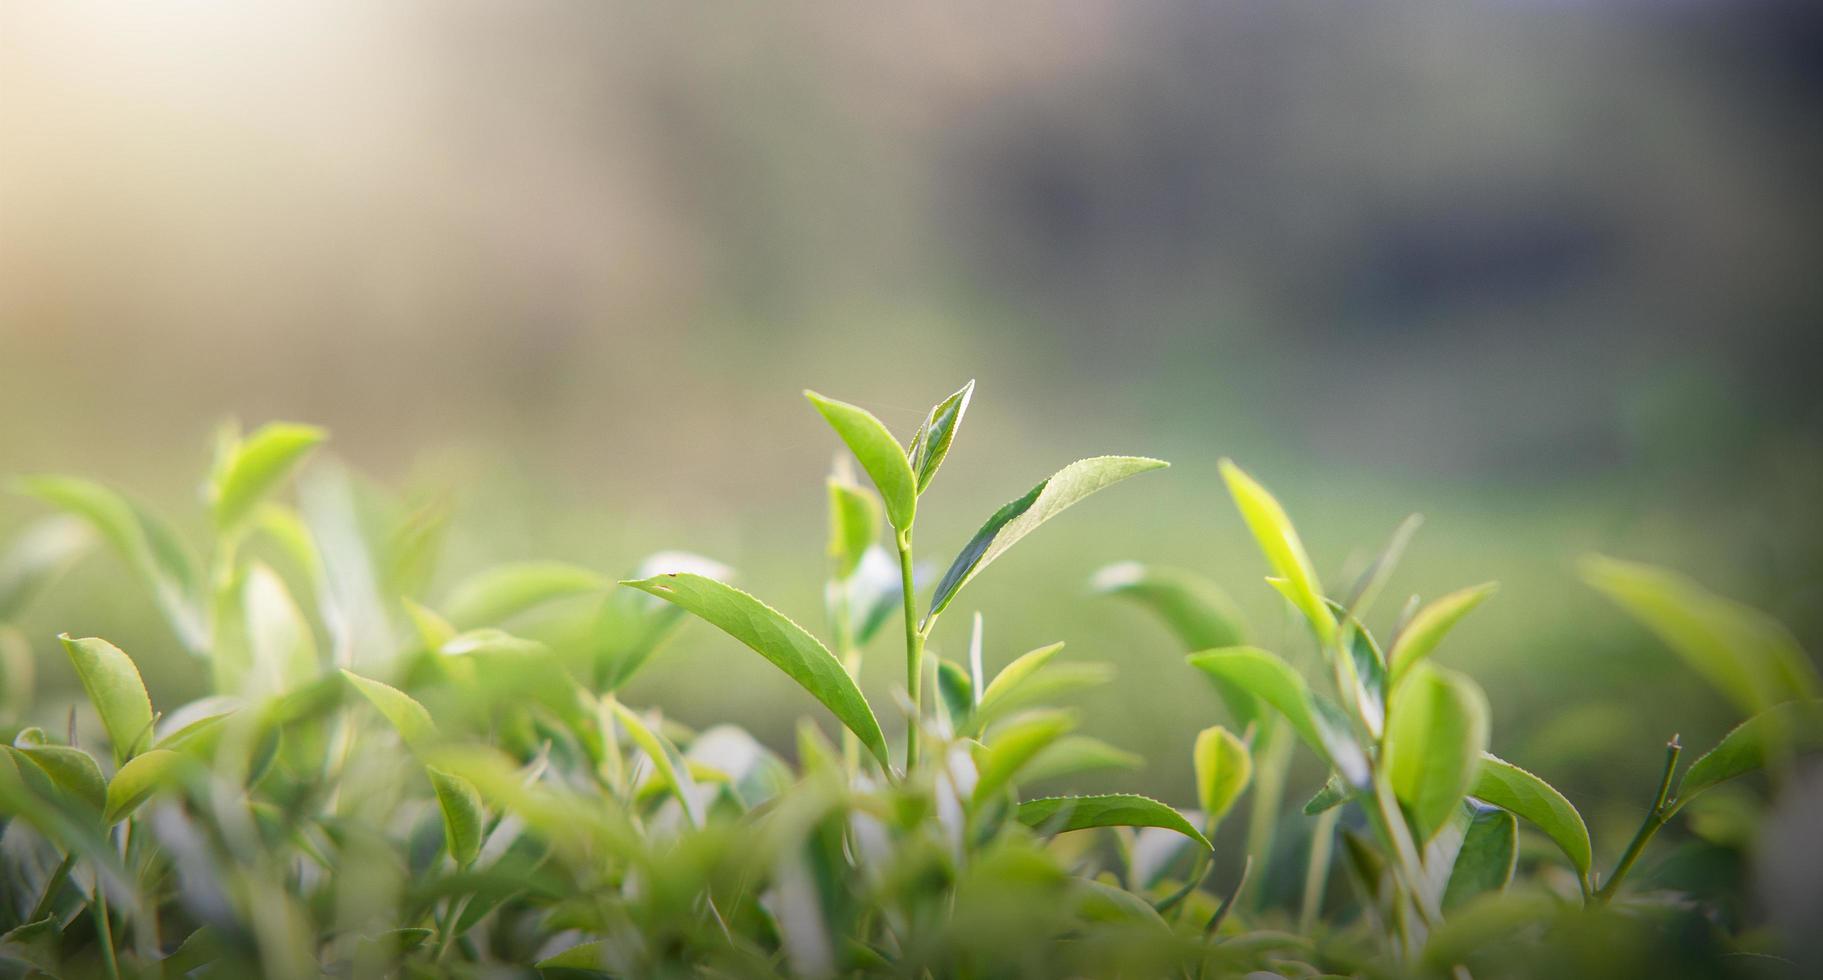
column 116, row 690
column 1426, row 629
column 1284, row 551
column 1019, row 518
column 1268, row 678
column 786, row 644
column 1507, row 786
column 251, row 467
column 1056, row 814
column 1435, row 736
column 878, row 453
column 1223, row 770
column 934, row 437
column 1765, row 739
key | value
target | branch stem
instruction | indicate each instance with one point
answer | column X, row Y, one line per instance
column 914, row 650
column 1662, row 808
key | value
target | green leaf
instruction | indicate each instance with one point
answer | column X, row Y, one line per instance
column 592, row 957
column 401, row 709
column 933, row 438
column 1014, row 674
column 281, row 645
column 956, row 690
column 1056, row 814
column 878, row 453
column 73, row 770
column 504, row 591
column 250, row 468
column 115, row 689
column 1196, row 610
column 462, row 815
column 1074, row 754
column 1743, row 653
column 1426, row 629
column 1013, row 747
column 142, row 776
column 1223, row 770
column 1754, row 744
column 1334, row 793
column 770, row 634
column 854, row 524
column 1507, row 786
column 39, row 555
column 1279, row 541
column 149, row 546
column 1490, row 847
column 1019, row 518
column 1054, row 681
column 1373, row 578
column 1269, row 678
column 1435, row 737
column 669, row 763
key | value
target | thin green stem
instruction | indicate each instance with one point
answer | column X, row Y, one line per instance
column 1662, row 808
column 110, row 963
column 1316, row 873
column 914, row 650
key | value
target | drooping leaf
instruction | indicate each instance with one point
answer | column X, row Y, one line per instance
column 1019, row 518
column 1014, row 746
column 493, row 596
column 142, row 776
column 1268, row 678
column 402, row 710
column 878, row 453
column 116, row 690
column 1279, row 541
column 250, row 468
column 73, row 770
column 1223, row 770
column 39, row 554
column 786, row 644
column 854, row 523
column 1075, row 754
column 667, row 761
column 1490, row 847
column 1056, row 814
column 1427, row 628
column 1743, row 653
column 462, row 815
column 149, row 546
column 1507, row 786
column 1196, row 610
column 934, row 436
column 1435, row 737
column 1762, row 740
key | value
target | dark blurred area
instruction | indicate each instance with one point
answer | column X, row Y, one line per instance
column 1547, row 271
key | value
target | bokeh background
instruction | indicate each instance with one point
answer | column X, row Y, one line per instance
column 1546, row 271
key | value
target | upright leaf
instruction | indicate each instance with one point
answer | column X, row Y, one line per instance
column 1485, row 863
column 786, row 644
column 1754, row 744
column 1367, row 586
column 854, row 524
column 281, row 645
column 250, row 468
column 667, row 761
column 1507, row 786
column 933, row 439
column 116, row 690
column 1740, row 651
column 1426, row 629
column 504, row 591
column 1435, row 736
column 462, row 815
column 1019, row 518
column 1223, row 770
column 1284, row 551
column 1057, row 814
column 878, row 453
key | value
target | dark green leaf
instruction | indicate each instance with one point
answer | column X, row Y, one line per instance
column 1334, row 793
column 1195, row 609
column 933, row 439
column 957, row 691
column 1485, row 863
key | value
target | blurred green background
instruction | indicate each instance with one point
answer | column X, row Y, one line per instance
column 1546, row 272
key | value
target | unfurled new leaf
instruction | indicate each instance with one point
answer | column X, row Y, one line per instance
column 932, row 441
column 667, row 761
column 1056, row 814
column 1284, row 551
column 1426, row 629
column 1507, row 786
column 1435, row 736
column 854, row 524
column 1019, row 518
column 878, row 453
column 770, row 634
column 1223, row 770
column 462, row 815
column 250, row 468
column 116, row 690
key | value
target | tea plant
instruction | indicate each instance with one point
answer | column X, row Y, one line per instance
column 382, row 783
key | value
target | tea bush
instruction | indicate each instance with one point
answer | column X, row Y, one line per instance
column 381, row 785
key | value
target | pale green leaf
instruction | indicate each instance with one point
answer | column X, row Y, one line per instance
column 1076, row 754
column 1490, row 847
column 1269, row 678
column 1373, row 578
column 786, row 644
column 1427, row 628
column 462, row 815
column 39, row 554
column 854, row 524
column 280, row 643
column 669, row 764
column 1196, row 610
column 497, row 594
column 933, row 439
column 402, row 710
column 1279, row 541
column 879, row 454
column 1016, row 673
column 116, row 690
column 1765, row 739
column 1435, row 736
column 1056, row 814
column 252, row 467
column 1014, row 746
column 1507, row 786
column 142, row 776
column 1019, row 518
column 1223, row 770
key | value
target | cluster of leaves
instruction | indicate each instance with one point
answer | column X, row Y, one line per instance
column 382, row 785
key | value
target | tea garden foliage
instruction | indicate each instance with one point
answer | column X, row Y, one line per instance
column 384, row 783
